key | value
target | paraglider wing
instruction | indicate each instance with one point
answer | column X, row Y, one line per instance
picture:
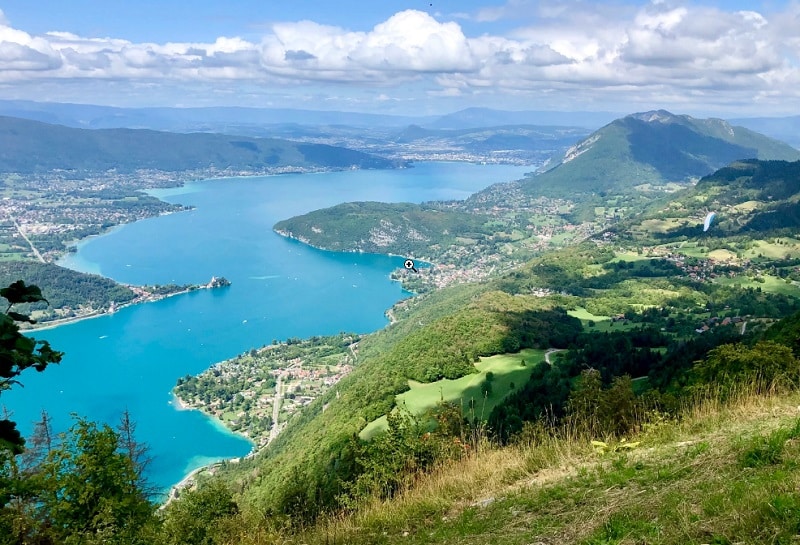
column 709, row 219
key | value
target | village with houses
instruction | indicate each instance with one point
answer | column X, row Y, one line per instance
column 257, row 392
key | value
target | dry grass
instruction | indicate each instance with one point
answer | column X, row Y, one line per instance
column 683, row 484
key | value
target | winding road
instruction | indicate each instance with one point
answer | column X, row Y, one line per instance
column 551, row 351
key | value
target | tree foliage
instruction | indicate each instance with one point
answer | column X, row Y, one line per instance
column 18, row 353
column 768, row 365
column 85, row 485
column 196, row 517
column 79, row 486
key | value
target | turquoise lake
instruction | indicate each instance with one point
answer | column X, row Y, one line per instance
column 280, row 288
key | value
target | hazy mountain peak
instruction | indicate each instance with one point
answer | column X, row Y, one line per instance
column 647, row 149
column 721, row 127
column 656, row 116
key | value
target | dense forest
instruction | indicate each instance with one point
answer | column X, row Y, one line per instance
column 64, row 287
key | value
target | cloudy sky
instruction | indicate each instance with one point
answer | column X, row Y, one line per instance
column 702, row 56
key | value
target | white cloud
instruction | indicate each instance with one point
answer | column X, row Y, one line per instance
column 573, row 49
column 410, row 43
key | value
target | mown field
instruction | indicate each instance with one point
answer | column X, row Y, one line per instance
column 508, row 371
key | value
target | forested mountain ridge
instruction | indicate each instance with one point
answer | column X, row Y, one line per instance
column 400, row 228
column 33, row 147
column 654, row 148
column 750, row 199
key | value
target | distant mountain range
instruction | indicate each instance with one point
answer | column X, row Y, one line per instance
column 471, row 118
column 237, row 120
column 214, row 119
column 653, row 148
column 253, row 121
column 30, row 146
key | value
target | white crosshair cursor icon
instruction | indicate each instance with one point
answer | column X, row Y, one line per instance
column 410, row 265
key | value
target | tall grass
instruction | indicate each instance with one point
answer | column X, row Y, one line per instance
column 546, row 453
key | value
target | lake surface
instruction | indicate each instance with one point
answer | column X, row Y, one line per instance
column 280, row 288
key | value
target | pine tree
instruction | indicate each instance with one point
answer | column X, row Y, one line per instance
column 138, row 454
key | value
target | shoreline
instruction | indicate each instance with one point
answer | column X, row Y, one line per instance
column 179, row 405
column 52, row 324
column 176, row 403
column 188, row 480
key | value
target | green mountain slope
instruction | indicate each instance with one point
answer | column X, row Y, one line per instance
column 30, row 146
column 653, row 148
column 640, row 313
column 751, row 199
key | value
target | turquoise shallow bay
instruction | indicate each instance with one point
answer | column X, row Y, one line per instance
column 280, row 288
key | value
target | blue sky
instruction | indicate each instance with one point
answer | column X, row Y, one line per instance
column 708, row 57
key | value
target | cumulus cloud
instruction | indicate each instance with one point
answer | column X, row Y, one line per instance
column 409, row 43
column 662, row 51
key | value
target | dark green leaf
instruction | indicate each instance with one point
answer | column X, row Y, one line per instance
column 20, row 317
column 18, row 292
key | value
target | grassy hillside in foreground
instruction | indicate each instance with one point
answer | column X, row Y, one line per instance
column 666, row 312
column 723, row 474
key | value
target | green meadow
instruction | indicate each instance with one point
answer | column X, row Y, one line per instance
column 506, row 368
column 776, row 249
column 768, row 283
column 602, row 324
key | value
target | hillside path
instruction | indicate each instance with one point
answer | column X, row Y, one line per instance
column 551, row 351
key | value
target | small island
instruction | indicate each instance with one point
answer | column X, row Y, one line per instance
column 218, row 282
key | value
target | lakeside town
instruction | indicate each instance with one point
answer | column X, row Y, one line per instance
column 256, row 393
column 43, row 216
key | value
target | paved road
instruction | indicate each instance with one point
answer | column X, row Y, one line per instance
column 23, row 235
column 276, row 410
